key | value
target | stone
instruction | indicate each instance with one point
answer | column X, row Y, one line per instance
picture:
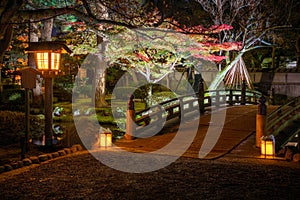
column 49, row 156
column 43, row 158
column 62, row 153
column 73, row 149
column 34, row 159
column 20, row 163
column 55, row 155
column 67, row 150
column 27, row 162
column 14, row 165
column 8, row 167
column 288, row 154
column 2, row 169
column 78, row 147
column 296, row 157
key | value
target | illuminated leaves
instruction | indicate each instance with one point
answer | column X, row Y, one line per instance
column 200, row 29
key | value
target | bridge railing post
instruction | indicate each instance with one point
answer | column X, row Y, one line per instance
column 201, row 96
column 255, row 98
column 230, row 97
column 181, row 108
column 130, row 119
column 217, row 98
column 243, row 93
column 261, row 121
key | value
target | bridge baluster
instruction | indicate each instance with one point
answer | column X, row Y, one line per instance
column 201, row 96
column 230, row 97
column 243, row 93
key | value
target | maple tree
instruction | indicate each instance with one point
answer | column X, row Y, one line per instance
column 46, row 17
column 154, row 53
column 255, row 22
column 101, row 16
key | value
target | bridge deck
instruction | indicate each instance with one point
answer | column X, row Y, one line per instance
column 239, row 124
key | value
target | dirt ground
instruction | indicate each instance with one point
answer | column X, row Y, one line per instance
column 240, row 174
column 81, row 176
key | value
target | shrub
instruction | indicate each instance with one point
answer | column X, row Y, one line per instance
column 13, row 124
column 13, row 99
column 161, row 97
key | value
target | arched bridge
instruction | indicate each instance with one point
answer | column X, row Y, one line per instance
column 202, row 101
column 237, row 125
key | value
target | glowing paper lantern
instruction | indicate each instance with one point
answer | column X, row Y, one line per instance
column 106, row 139
column 47, row 56
column 268, row 145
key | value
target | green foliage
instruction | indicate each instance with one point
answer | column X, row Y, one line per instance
column 162, row 96
column 153, row 53
column 124, row 92
column 13, row 99
column 13, row 124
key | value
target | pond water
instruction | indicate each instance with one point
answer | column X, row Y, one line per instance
column 64, row 133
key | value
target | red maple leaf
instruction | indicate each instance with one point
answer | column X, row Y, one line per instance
column 210, row 57
column 144, row 58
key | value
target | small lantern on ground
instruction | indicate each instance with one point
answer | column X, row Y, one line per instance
column 105, row 137
column 268, row 145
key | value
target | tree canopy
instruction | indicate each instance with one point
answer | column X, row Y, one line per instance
column 245, row 24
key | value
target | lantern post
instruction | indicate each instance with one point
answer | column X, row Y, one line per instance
column 47, row 57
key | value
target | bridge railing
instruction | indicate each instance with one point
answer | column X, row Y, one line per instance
column 280, row 119
column 190, row 103
column 230, row 97
column 281, row 114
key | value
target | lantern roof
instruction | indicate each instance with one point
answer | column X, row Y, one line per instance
column 48, row 46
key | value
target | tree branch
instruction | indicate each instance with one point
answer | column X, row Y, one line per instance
column 43, row 14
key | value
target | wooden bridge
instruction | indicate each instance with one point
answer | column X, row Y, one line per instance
column 202, row 102
column 238, row 125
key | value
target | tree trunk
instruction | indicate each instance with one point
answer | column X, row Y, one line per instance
column 47, row 30
column 4, row 43
column 149, row 101
column 7, row 11
column 100, row 89
column 37, row 91
column 298, row 52
column 168, row 81
column 273, row 57
column 100, row 77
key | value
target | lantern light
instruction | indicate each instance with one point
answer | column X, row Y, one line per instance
column 105, row 138
column 268, row 145
column 47, row 60
column 48, row 56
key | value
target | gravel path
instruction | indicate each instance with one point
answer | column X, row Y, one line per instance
column 241, row 174
column 80, row 176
